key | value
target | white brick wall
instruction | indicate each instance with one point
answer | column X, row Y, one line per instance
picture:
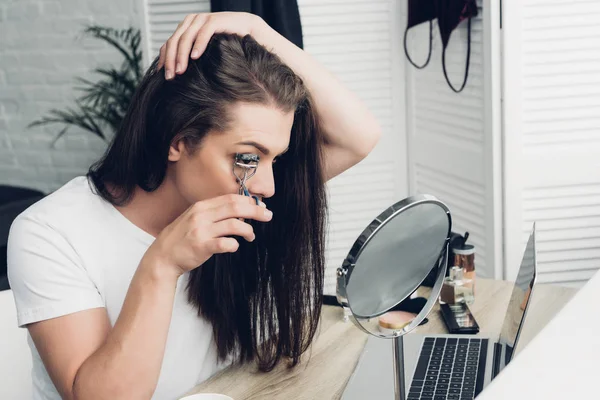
column 41, row 52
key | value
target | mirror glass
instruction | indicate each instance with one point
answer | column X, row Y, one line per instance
column 393, row 256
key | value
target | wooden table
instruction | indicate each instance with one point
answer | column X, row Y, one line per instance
column 326, row 368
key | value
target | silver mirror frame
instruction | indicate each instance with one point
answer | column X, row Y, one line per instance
column 345, row 271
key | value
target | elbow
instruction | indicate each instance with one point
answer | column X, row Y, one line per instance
column 116, row 390
column 115, row 393
column 376, row 134
column 371, row 138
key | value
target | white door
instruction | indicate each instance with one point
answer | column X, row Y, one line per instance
column 360, row 42
column 454, row 140
column 552, row 135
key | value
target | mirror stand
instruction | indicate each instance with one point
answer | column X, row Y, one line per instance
column 399, row 384
column 387, row 263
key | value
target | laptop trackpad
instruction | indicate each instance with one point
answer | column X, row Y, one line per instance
column 373, row 377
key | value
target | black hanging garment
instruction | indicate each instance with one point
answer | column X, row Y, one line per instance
column 449, row 13
column 420, row 11
column 281, row 15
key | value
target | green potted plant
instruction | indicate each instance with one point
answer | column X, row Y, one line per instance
column 102, row 105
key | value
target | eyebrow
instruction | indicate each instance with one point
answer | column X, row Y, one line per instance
column 260, row 147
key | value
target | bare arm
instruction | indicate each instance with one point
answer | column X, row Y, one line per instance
column 351, row 131
column 88, row 360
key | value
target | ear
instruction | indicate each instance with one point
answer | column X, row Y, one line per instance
column 176, row 149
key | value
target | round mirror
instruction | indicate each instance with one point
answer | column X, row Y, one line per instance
column 390, row 260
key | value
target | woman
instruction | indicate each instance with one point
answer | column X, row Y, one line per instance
column 151, row 274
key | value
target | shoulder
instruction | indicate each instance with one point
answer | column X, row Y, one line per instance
column 69, row 205
column 46, row 254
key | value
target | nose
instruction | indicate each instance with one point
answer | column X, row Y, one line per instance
column 262, row 184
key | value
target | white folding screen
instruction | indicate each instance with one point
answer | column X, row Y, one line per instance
column 454, row 139
column 552, row 133
column 360, row 42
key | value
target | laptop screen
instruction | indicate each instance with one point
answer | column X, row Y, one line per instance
column 515, row 313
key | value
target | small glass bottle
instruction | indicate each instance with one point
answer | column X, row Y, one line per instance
column 456, row 288
column 464, row 257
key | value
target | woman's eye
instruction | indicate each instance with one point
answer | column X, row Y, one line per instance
column 246, row 159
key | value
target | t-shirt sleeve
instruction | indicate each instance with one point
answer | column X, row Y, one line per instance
column 45, row 273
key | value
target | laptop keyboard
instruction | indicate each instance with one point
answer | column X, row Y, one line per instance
column 448, row 369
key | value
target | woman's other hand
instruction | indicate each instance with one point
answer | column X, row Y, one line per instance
column 193, row 34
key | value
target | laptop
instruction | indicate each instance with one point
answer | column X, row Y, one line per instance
column 447, row 366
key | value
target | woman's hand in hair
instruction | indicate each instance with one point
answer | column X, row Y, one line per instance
column 204, row 229
column 194, row 32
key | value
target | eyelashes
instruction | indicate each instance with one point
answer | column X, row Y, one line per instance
column 253, row 155
column 247, row 159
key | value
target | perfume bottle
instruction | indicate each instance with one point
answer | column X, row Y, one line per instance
column 456, row 288
column 464, row 256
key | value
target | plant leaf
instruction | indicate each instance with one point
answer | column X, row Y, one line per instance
column 104, row 103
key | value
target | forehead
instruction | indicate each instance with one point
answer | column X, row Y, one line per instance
column 264, row 124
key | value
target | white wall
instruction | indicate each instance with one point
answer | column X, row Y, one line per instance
column 40, row 56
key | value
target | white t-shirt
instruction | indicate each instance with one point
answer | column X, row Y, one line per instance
column 74, row 251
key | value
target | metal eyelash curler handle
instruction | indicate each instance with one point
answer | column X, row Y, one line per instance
column 245, row 192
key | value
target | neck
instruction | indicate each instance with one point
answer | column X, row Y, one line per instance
column 153, row 211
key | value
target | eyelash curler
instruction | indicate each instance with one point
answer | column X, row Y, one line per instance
column 247, row 165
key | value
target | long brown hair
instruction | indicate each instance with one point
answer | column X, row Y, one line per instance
column 264, row 301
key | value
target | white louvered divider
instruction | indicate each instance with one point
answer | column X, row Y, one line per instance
column 360, row 42
column 454, row 151
column 555, row 136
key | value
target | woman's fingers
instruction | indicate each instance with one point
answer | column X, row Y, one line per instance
column 161, row 57
column 223, row 245
column 215, row 202
column 186, row 41
column 171, row 46
column 233, row 227
column 194, row 33
column 203, row 37
column 240, row 210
